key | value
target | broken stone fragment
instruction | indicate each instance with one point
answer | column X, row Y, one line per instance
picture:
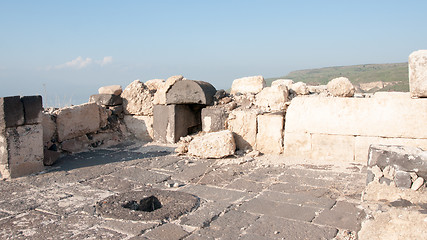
column 417, row 183
column 213, row 145
column 112, row 89
column 106, row 99
column 418, row 73
column 160, row 95
column 137, row 99
column 402, row 179
column 272, row 98
column 299, row 88
column 154, row 84
column 247, row 85
column 341, row 87
column 282, row 82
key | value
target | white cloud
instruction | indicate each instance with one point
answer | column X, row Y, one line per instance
column 106, row 60
column 78, row 63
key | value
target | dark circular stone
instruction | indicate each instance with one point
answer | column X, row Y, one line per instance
column 172, row 205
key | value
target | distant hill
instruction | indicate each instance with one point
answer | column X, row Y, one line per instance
column 367, row 77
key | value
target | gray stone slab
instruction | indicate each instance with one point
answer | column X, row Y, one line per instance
column 128, row 227
column 280, row 228
column 193, row 171
column 221, row 176
column 300, row 199
column 141, row 176
column 18, row 205
column 191, row 92
column 217, row 194
column 168, row 231
column 265, row 174
column 214, row 119
column 99, row 233
column 112, row 183
column 11, row 112
column 204, row 214
column 33, row 107
column 295, row 188
column 231, row 225
column 343, row 215
column 279, row 209
column 247, row 185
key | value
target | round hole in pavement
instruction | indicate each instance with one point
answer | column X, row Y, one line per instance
column 147, row 204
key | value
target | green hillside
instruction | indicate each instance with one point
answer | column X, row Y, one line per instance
column 394, row 73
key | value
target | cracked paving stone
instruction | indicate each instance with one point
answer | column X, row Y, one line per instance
column 140, row 175
column 230, row 225
column 300, row 199
column 305, row 181
column 219, row 177
column 204, row 214
column 19, row 205
column 247, row 185
column 193, row 171
column 265, row 175
column 280, row 228
column 217, row 194
column 164, row 162
column 343, row 215
column 128, row 227
column 33, row 225
column 168, row 231
column 295, row 188
column 99, row 233
column 114, row 184
column 279, row 209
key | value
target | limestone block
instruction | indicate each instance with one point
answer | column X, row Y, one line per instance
column 75, row 145
column 112, row 89
column 49, row 128
column 137, row 99
column 50, row 157
column 33, row 107
column 297, row 145
column 321, row 89
column 332, row 148
column 160, row 95
column 341, row 87
column 213, row 145
column 400, row 118
column 140, row 126
column 246, row 85
column 106, row 99
column 362, row 144
column 171, row 122
column 283, row 82
column 392, row 95
column 402, row 158
column 191, row 92
column 269, row 138
column 154, row 84
column 418, row 73
column 77, row 120
column 272, row 98
column 243, row 124
column 299, row 88
column 11, row 112
column 21, row 149
column 214, row 119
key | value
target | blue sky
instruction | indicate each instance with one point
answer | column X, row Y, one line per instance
column 66, row 50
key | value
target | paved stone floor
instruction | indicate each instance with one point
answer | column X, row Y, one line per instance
column 240, row 197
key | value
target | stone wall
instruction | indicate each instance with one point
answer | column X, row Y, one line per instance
column 342, row 129
column 21, row 136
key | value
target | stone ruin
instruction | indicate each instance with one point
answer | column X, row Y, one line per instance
column 323, row 123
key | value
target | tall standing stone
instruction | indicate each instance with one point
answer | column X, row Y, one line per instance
column 418, row 73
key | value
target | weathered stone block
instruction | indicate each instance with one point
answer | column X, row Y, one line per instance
column 77, row 120
column 402, row 158
column 33, row 107
column 106, row 99
column 297, row 145
column 269, row 138
column 191, row 92
column 154, row 84
column 418, row 73
column 50, row 157
column 332, row 148
column 49, row 128
column 401, row 118
column 341, row 87
column 402, row 179
column 137, row 99
column 174, row 121
column 21, row 150
column 140, row 126
column 243, row 124
column 272, row 98
column 112, row 89
column 214, row 119
column 213, row 145
column 299, row 88
column 246, row 85
column 11, row 112
column 160, row 95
